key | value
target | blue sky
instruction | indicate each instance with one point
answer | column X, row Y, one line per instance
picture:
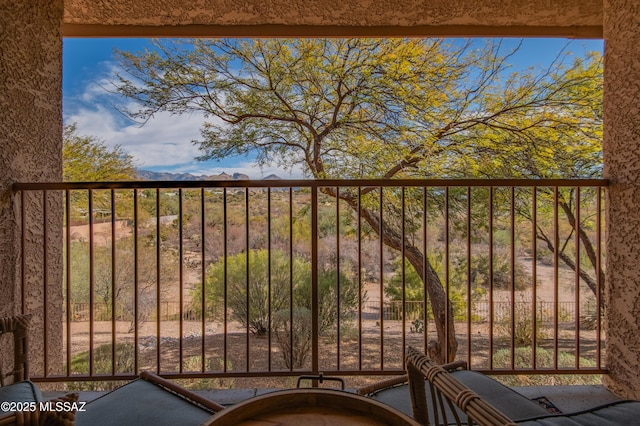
column 164, row 143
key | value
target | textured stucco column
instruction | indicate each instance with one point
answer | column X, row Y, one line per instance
column 622, row 167
column 30, row 151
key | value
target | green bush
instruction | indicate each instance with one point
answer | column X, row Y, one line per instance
column 414, row 292
column 194, row 363
column 269, row 289
column 293, row 338
column 544, row 359
column 102, row 364
column 522, row 331
column 328, row 309
column 266, row 287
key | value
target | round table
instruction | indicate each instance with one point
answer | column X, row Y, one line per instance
column 310, row 407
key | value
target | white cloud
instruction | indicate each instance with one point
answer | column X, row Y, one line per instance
column 162, row 144
column 163, row 141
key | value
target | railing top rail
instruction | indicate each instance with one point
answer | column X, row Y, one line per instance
column 311, row 183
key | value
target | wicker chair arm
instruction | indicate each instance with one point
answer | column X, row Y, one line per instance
column 445, row 387
column 18, row 326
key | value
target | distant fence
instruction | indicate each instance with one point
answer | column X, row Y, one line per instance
column 480, row 311
column 169, row 311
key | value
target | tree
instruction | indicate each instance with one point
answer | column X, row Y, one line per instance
column 133, row 282
column 563, row 141
column 87, row 159
column 346, row 108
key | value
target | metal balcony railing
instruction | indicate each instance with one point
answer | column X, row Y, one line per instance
column 282, row 278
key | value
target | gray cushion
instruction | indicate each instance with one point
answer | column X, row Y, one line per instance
column 510, row 402
column 141, row 403
column 396, row 397
column 21, row 392
column 505, row 399
column 615, row 414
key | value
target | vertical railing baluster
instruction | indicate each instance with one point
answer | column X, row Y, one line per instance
column 338, row 277
column 269, row 288
column 136, row 273
column 113, row 283
column 512, row 254
column 23, row 257
column 359, row 275
column 225, row 243
column 534, row 273
column 381, row 260
column 291, row 279
column 425, row 260
column 203, row 277
column 468, row 260
column 67, row 204
column 45, row 272
column 314, row 282
column 556, row 283
column 598, row 309
column 577, row 278
column 91, row 285
column 180, row 278
column 447, row 254
column 158, row 332
column 491, row 277
column 248, row 278
column 403, row 271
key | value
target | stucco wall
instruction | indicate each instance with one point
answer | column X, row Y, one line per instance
column 461, row 15
column 30, row 150
column 622, row 166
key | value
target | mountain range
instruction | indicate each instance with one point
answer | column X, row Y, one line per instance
column 165, row 176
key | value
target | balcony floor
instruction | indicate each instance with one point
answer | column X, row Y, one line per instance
column 566, row 398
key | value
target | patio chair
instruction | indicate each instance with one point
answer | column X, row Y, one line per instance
column 148, row 400
column 18, row 326
column 453, row 402
column 15, row 385
column 397, row 393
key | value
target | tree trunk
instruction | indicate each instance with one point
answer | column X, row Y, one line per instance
column 444, row 350
column 591, row 254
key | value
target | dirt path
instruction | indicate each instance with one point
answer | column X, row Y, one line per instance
column 101, row 232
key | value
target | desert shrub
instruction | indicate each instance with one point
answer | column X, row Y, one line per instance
column 131, row 265
column 102, row 364
column 269, row 289
column 328, row 310
column 414, row 292
column 544, row 359
column 591, row 316
column 293, row 338
column 194, row 363
column 522, row 327
column 479, row 270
